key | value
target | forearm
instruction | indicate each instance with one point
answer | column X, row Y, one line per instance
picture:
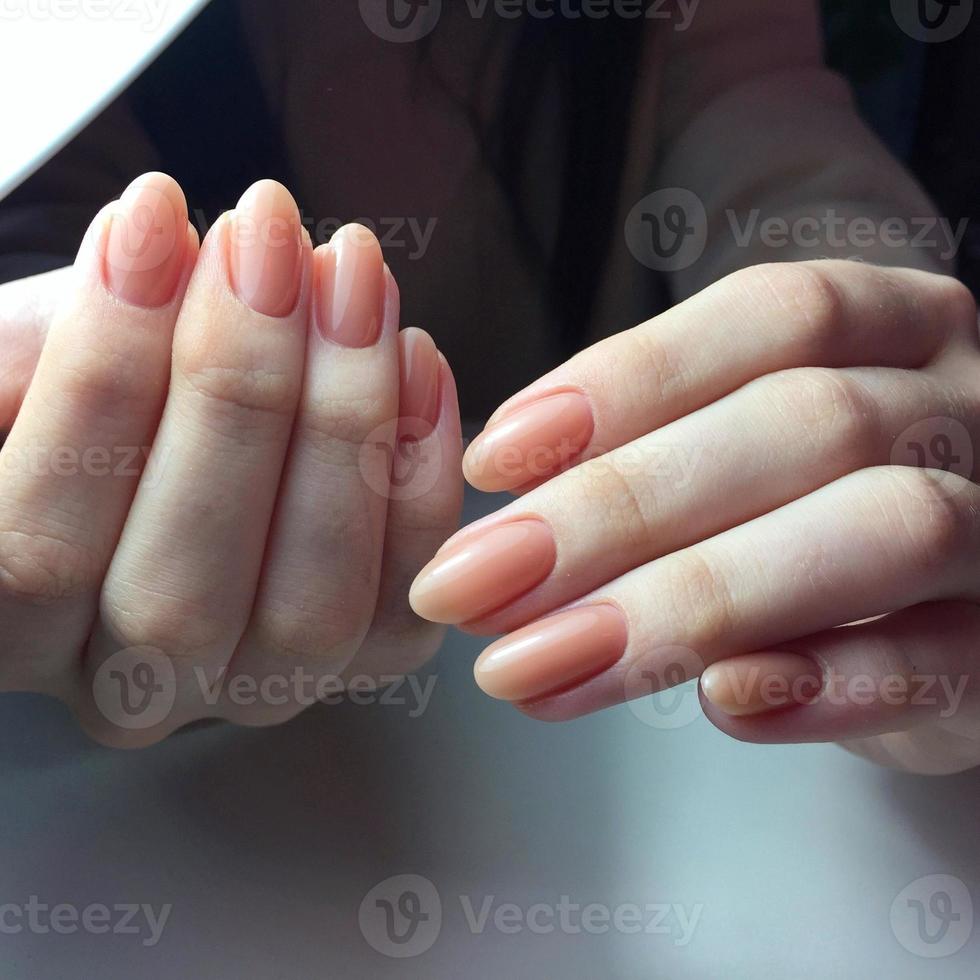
column 786, row 170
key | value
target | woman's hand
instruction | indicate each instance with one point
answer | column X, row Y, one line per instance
column 199, row 516
column 27, row 307
column 787, row 452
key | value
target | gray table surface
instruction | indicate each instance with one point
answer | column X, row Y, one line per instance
column 276, row 853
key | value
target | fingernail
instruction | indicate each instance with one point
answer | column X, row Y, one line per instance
column 266, row 249
column 486, row 571
column 553, row 654
column 754, row 684
column 350, row 288
column 147, row 241
column 533, row 442
column 420, row 371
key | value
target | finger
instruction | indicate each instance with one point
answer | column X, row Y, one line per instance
column 871, row 543
column 320, row 576
column 426, row 500
column 755, row 322
column 772, row 441
column 27, row 307
column 69, row 468
column 893, row 675
column 182, row 581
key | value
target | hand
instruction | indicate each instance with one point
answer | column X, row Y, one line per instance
column 27, row 307
column 198, row 514
column 787, row 452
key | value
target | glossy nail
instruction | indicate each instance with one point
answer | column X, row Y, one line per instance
column 350, row 288
column 147, row 242
column 530, row 443
column 758, row 683
column 266, row 249
column 419, row 368
column 553, row 654
column 485, row 572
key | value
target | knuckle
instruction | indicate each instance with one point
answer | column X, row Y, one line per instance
column 181, row 627
column 39, row 569
column 958, row 301
column 242, row 389
column 614, row 492
column 399, row 645
column 701, row 600
column 648, row 356
column 104, row 733
column 334, row 429
column 829, row 408
column 935, row 513
column 295, row 633
column 811, row 297
column 103, row 383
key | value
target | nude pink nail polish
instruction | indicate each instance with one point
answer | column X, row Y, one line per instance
column 266, row 256
column 350, row 288
column 485, row 572
column 757, row 683
column 419, row 370
column 553, row 654
column 532, row 443
column 147, row 242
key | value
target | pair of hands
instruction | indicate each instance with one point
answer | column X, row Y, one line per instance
column 711, row 494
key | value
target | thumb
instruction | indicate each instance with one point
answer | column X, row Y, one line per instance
column 27, row 307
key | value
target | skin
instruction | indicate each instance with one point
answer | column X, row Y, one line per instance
column 792, row 519
column 271, row 368
column 814, row 374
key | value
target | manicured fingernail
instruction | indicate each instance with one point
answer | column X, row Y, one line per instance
column 350, row 288
column 418, row 359
column 757, row 683
column 531, row 443
column 147, row 242
column 266, row 249
column 553, row 654
column 485, row 572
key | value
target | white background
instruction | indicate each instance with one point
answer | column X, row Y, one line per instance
column 63, row 61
